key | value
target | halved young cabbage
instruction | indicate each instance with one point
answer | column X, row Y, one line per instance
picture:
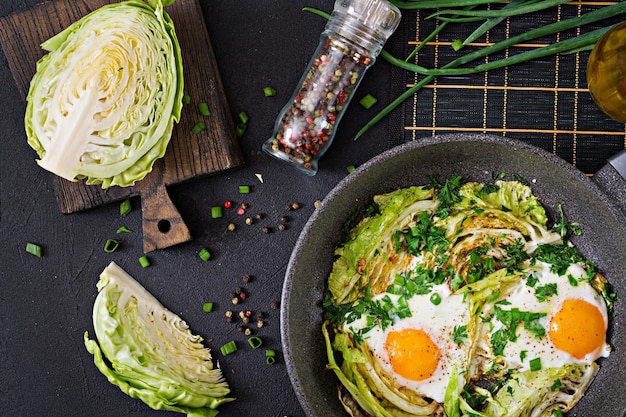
column 149, row 352
column 103, row 102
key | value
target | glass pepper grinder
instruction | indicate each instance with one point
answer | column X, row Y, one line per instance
column 352, row 39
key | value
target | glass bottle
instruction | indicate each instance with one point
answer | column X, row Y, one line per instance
column 352, row 39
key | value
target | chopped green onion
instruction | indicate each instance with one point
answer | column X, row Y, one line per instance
column 270, row 357
column 557, row 413
column 269, row 91
column 204, row 254
column 368, row 101
column 457, row 44
column 435, row 299
column 244, row 189
column 203, row 108
column 144, row 261
column 556, row 384
column 255, row 342
column 125, row 207
column 123, row 229
column 199, row 127
column 216, row 212
column 350, row 169
column 228, row 348
column 243, row 116
column 240, row 129
column 33, row 249
column 186, row 97
column 535, row 364
column 207, row 307
column 111, row 245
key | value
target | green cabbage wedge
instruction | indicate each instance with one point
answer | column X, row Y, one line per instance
column 149, row 352
column 104, row 99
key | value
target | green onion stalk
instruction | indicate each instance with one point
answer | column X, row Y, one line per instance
column 459, row 11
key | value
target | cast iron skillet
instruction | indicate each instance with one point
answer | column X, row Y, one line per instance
column 475, row 157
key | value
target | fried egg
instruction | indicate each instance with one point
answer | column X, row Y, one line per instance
column 418, row 352
column 574, row 320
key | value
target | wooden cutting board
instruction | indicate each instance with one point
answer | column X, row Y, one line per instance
column 188, row 156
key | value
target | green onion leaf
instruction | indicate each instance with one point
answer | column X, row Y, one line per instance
column 535, row 364
column 216, row 212
column 111, row 245
column 33, row 249
column 435, row 298
column 125, row 207
column 240, row 129
column 203, row 108
column 255, row 342
column 228, row 348
column 244, row 189
column 270, row 357
column 123, row 229
column 368, row 101
column 269, row 91
column 186, row 97
column 243, row 116
column 207, row 307
column 204, row 254
column 144, row 261
column 199, row 127
column 350, row 169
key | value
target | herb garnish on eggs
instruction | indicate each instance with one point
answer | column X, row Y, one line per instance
column 459, row 299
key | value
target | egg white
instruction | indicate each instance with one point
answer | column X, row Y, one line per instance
column 517, row 355
column 438, row 321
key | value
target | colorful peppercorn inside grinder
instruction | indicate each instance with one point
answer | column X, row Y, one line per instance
column 352, row 39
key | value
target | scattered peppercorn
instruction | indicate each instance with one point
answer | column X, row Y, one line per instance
column 241, row 211
column 259, row 315
column 249, row 220
column 259, row 216
column 234, row 298
column 244, row 206
column 284, row 219
column 246, row 278
column 288, row 207
column 247, row 332
column 274, row 305
column 295, row 206
column 317, row 203
column 240, row 328
column 231, row 227
column 259, row 324
column 282, row 227
column 228, row 204
column 267, row 230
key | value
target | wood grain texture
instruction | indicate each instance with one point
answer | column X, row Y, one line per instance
column 188, row 156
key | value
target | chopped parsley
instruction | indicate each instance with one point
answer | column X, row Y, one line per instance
column 560, row 256
column 544, row 292
column 459, row 334
column 511, row 319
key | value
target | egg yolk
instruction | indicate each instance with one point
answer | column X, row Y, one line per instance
column 578, row 328
column 412, row 354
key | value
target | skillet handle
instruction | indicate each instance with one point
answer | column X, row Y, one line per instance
column 619, row 163
column 612, row 180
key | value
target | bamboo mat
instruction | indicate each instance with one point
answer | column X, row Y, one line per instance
column 544, row 102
